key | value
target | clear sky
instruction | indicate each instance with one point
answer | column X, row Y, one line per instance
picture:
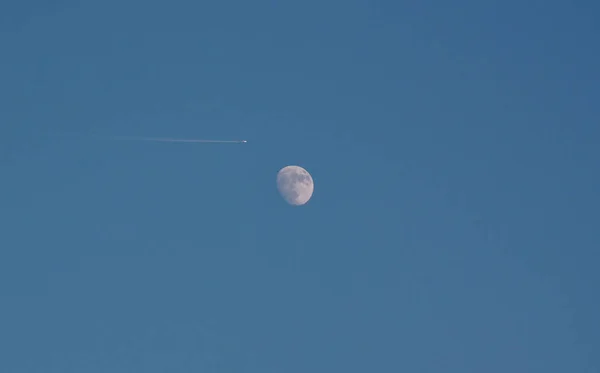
column 454, row 227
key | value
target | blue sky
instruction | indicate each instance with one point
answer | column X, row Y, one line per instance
column 454, row 224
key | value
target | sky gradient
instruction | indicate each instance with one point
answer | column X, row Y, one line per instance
column 454, row 146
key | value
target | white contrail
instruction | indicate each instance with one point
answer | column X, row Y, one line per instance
column 166, row 139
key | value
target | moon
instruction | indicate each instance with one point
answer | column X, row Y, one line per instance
column 295, row 185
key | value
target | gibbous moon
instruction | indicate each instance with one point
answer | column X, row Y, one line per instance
column 295, row 185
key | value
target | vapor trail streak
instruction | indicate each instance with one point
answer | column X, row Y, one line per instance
column 165, row 139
